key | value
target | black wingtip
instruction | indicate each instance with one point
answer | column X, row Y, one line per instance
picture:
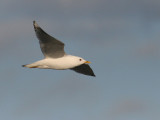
column 84, row 69
column 35, row 24
column 94, row 75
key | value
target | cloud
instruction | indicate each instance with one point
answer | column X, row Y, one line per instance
column 54, row 98
column 77, row 8
column 127, row 107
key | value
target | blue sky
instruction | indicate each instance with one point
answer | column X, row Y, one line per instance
column 120, row 37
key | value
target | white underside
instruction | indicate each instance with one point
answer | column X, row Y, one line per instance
column 65, row 62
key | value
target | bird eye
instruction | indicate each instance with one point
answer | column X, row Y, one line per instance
column 80, row 59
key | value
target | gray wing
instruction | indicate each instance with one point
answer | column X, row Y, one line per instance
column 84, row 69
column 50, row 46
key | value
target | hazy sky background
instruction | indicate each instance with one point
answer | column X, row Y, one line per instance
column 120, row 37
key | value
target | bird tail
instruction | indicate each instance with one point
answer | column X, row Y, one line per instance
column 24, row 65
column 30, row 66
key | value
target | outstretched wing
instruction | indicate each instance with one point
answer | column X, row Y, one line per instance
column 50, row 46
column 84, row 69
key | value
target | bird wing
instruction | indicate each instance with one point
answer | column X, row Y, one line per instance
column 50, row 46
column 84, row 69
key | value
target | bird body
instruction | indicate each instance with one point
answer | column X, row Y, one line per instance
column 65, row 62
column 55, row 56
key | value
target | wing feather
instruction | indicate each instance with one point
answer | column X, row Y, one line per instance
column 84, row 69
column 50, row 46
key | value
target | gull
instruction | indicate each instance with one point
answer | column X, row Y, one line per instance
column 55, row 56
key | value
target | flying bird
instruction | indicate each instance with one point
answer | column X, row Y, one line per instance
column 55, row 56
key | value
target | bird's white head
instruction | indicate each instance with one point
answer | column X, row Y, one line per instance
column 82, row 61
column 76, row 61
